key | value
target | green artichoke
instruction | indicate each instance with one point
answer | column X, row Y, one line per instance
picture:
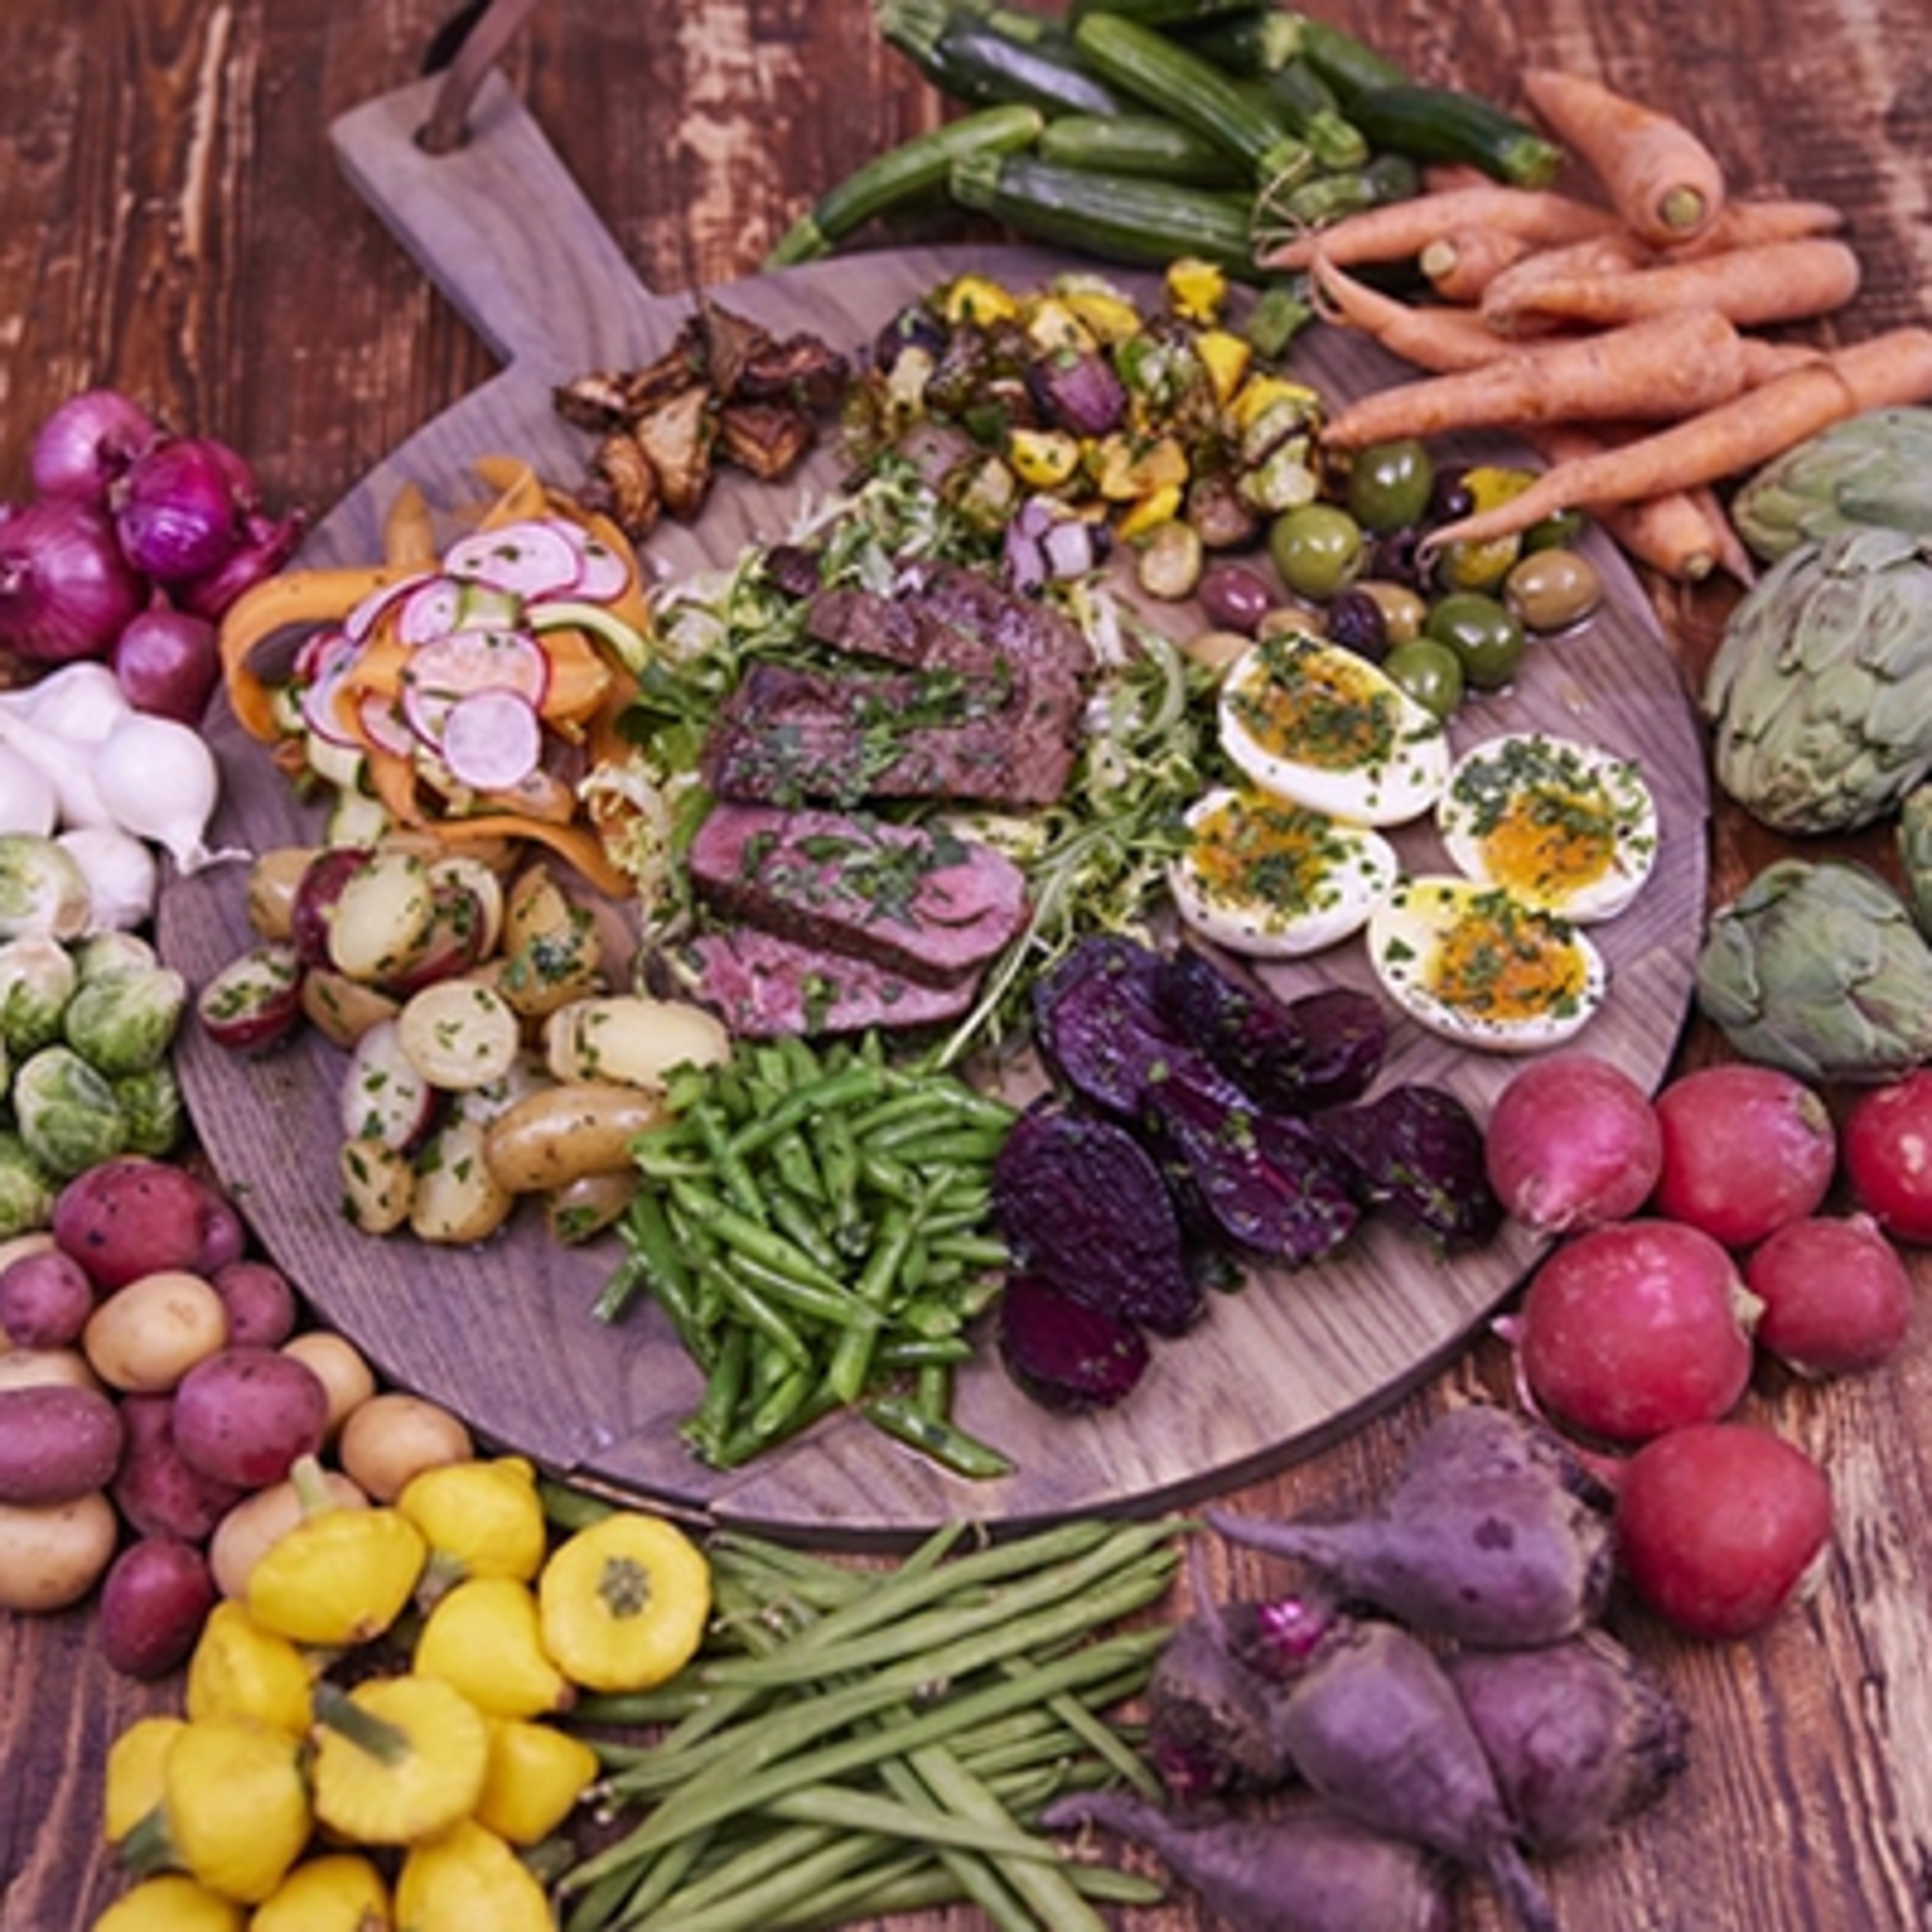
column 1876, row 468
column 1915, row 854
column 1816, row 968
column 1820, row 694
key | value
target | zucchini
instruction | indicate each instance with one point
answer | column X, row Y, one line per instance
column 1247, row 43
column 1123, row 218
column 1447, row 124
column 970, row 57
column 1351, row 67
column 1167, row 13
column 1325, row 198
column 909, row 172
column 1141, row 144
column 1306, row 108
column 1193, row 90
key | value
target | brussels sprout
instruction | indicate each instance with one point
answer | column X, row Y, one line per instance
column 125, row 1023
column 27, row 1190
column 101, row 954
column 67, row 1113
column 1820, row 694
column 42, row 888
column 151, row 1103
column 38, row 978
column 1816, row 968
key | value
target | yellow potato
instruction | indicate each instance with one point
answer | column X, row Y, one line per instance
column 339, row 1366
column 563, row 1133
column 394, row 1436
column 52, row 1554
column 146, row 1336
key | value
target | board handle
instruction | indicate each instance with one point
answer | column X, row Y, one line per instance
column 495, row 219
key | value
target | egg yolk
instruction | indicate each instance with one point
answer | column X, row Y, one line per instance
column 1504, row 961
column 1316, row 708
column 1548, row 845
column 1255, row 849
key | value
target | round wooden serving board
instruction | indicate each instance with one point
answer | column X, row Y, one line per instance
column 503, row 1334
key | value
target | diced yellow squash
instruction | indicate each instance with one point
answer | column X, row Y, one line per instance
column 1161, row 504
column 1128, row 468
column 978, row 299
column 1051, row 324
column 1196, row 290
column 1226, row 357
column 1107, row 317
column 1043, row 459
column 1262, row 392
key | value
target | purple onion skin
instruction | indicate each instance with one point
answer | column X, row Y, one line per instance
column 267, row 543
column 87, row 444
column 66, row 590
column 178, row 512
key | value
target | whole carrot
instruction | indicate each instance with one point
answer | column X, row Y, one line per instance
column 1667, row 367
column 1890, row 371
column 1400, row 230
column 1438, row 336
column 1681, row 534
column 1777, row 281
column 1463, row 262
column 1660, row 177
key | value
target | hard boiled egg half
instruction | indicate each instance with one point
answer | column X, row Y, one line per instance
column 1566, row 826
column 1323, row 727
column 1265, row 877
column 1478, row 965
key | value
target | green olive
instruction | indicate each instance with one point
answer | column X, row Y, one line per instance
column 1430, row 672
column 1390, row 485
column 1483, row 633
column 1404, row 611
column 1551, row 590
column 1318, row 548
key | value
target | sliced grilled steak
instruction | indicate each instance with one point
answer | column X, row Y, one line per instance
column 763, row 986
column 924, row 903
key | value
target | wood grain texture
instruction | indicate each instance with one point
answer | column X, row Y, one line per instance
column 171, row 221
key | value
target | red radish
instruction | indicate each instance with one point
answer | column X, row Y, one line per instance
column 1719, row 1524
column 1573, row 1142
column 1838, row 1299
column 1888, row 1155
column 492, row 739
column 1631, row 1330
column 534, row 559
column 1746, row 1148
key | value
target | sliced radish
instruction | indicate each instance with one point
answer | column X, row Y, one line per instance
column 369, row 611
column 431, row 611
column 492, row 739
column 384, row 726
column 448, row 668
column 317, row 650
column 318, row 702
column 535, row 559
column 601, row 574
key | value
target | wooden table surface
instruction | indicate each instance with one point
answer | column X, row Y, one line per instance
column 171, row 223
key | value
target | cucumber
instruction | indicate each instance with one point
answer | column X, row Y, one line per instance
column 1123, row 217
column 1446, row 123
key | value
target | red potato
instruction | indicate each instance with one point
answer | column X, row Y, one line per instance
column 1573, row 1142
column 134, row 1216
column 46, row 1298
column 1720, row 1525
column 243, row 1415
column 57, row 1442
column 312, row 910
column 154, row 1599
column 255, row 1000
column 263, row 1310
column 1746, row 1149
column 156, row 1490
column 1635, row 1328
column 1837, row 1298
column 1887, row 1156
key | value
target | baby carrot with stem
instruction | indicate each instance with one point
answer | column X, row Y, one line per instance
column 1668, row 366
column 1660, row 177
column 1890, row 371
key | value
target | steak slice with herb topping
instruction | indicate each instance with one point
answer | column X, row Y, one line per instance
column 926, row 903
column 763, row 987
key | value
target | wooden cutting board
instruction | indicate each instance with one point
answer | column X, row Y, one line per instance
column 503, row 1334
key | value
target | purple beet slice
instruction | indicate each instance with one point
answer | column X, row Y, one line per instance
column 1063, row 1354
column 1081, row 1200
column 1416, row 1152
column 1098, row 1025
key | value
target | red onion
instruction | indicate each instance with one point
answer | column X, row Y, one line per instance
column 176, row 511
column 66, row 591
column 167, row 662
column 267, row 543
column 88, row 444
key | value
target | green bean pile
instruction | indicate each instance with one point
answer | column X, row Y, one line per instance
column 813, row 1222
column 853, row 1742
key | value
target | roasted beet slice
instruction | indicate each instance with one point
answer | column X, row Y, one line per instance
column 1416, row 1151
column 1064, row 1354
column 1264, row 1181
column 1097, row 1023
column 1081, row 1200
column 1319, row 1049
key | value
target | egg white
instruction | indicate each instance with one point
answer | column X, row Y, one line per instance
column 1326, row 728
column 1505, row 784
column 1406, row 940
column 1265, row 877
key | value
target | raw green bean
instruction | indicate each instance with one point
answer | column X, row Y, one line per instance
column 759, row 1904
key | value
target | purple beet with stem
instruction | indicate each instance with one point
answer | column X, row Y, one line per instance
column 1491, row 1535
column 1309, row 1869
